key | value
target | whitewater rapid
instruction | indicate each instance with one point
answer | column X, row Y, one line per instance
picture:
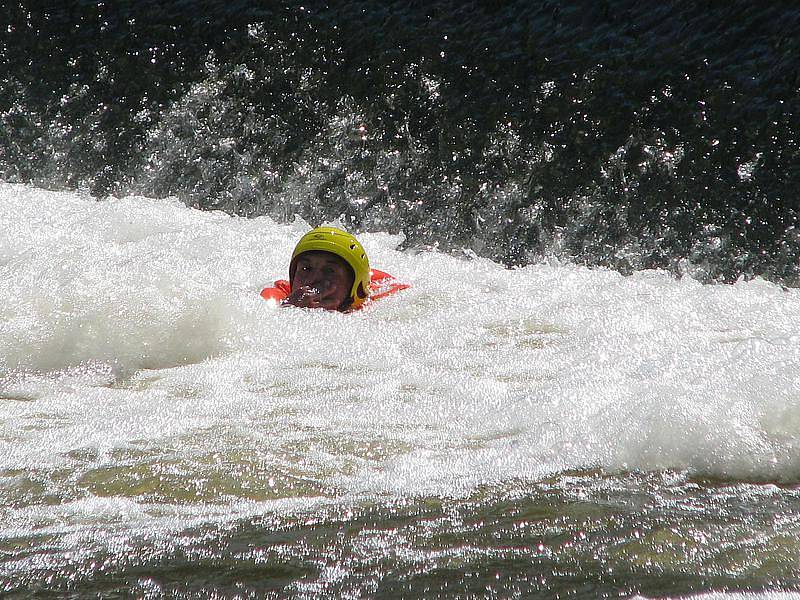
column 143, row 378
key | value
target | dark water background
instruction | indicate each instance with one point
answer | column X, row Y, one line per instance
column 626, row 134
column 577, row 535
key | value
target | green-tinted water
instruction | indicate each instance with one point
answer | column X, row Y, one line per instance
column 580, row 535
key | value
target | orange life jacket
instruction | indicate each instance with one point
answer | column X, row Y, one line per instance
column 381, row 285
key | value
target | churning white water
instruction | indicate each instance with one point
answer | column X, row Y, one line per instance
column 145, row 386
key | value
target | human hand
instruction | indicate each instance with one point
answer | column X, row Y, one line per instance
column 305, row 297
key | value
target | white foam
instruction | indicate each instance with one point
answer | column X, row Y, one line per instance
column 132, row 337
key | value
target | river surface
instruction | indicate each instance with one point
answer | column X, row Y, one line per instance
column 549, row 431
column 592, row 388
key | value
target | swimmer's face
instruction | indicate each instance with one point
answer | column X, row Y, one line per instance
column 320, row 280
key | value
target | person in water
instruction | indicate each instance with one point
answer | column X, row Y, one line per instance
column 329, row 269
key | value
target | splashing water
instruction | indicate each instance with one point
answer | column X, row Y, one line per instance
column 148, row 391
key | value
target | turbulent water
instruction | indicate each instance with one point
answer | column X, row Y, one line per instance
column 625, row 134
column 592, row 388
column 550, row 429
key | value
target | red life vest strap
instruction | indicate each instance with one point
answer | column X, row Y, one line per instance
column 382, row 284
column 278, row 293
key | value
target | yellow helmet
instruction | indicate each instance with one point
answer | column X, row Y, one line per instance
column 344, row 245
